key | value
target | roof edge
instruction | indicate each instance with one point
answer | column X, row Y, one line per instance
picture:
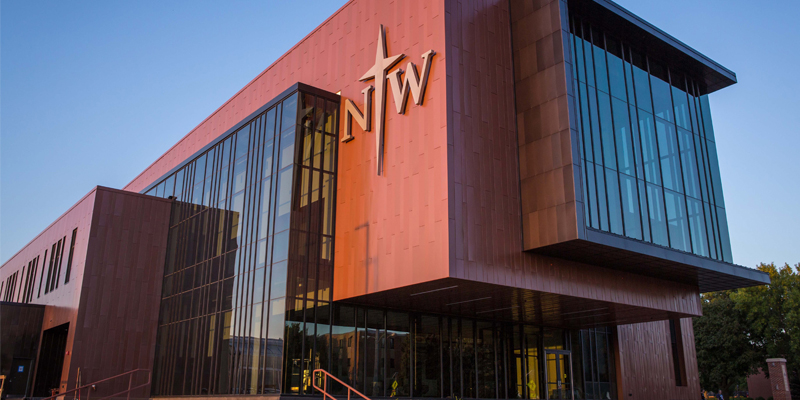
column 618, row 18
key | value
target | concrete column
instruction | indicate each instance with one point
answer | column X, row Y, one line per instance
column 779, row 379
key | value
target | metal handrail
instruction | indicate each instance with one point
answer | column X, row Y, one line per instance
column 89, row 385
column 324, row 389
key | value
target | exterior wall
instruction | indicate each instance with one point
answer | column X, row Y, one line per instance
column 644, row 362
column 758, row 385
column 64, row 300
column 20, row 331
column 483, row 179
column 549, row 169
column 485, row 195
column 116, row 322
column 392, row 230
column 119, row 241
column 395, row 219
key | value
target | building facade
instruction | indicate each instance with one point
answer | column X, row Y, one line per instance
column 505, row 200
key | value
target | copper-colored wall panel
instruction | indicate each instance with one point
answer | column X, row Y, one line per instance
column 64, row 300
column 488, row 205
column 484, row 182
column 548, row 161
column 121, row 289
column 392, row 230
column 398, row 219
column 114, row 285
column 644, row 363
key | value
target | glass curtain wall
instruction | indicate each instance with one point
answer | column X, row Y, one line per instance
column 249, row 248
column 650, row 168
column 594, row 379
column 384, row 353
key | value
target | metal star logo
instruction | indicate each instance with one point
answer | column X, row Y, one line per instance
column 378, row 72
column 401, row 87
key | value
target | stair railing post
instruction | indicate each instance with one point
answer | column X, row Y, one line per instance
column 130, row 381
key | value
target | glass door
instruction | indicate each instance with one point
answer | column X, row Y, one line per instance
column 558, row 374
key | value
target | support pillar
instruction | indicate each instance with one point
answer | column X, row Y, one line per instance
column 779, row 379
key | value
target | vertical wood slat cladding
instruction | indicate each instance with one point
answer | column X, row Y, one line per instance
column 549, row 163
column 645, row 362
column 114, row 284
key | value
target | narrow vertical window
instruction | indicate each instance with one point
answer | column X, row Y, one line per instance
column 71, row 253
column 27, row 282
column 50, row 269
column 33, row 279
column 678, row 362
column 63, row 242
column 41, row 279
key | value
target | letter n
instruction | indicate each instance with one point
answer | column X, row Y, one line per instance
column 351, row 112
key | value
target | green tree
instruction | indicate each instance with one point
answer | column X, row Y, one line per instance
column 772, row 313
column 725, row 353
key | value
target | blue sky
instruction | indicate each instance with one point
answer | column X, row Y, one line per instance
column 93, row 92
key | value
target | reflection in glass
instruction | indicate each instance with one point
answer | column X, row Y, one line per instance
column 222, row 322
column 645, row 135
column 426, row 348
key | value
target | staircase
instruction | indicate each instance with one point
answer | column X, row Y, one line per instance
column 324, row 389
column 76, row 394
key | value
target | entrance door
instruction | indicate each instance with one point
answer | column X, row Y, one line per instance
column 558, row 374
column 51, row 360
column 18, row 380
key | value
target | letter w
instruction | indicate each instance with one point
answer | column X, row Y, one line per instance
column 412, row 84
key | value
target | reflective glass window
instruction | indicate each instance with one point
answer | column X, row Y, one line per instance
column 716, row 180
column 595, row 125
column 398, row 354
column 616, row 75
column 650, row 159
column 600, row 61
column 622, row 135
column 579, row 59
column 725, row 239
column 427, row 371
column 614, row 204
column 678, row 223
column 641, row 82
column 586, row 124
column 662, row 96
column 680, row 102
column 587, row 54
column 658, row 222
column 705, row 110
column 670, row 156
column 697, row 226
column 689, row 163
column 630, row 206
column 592, row 196
column 601, row 197
column 486, row 361
column 607, row 131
